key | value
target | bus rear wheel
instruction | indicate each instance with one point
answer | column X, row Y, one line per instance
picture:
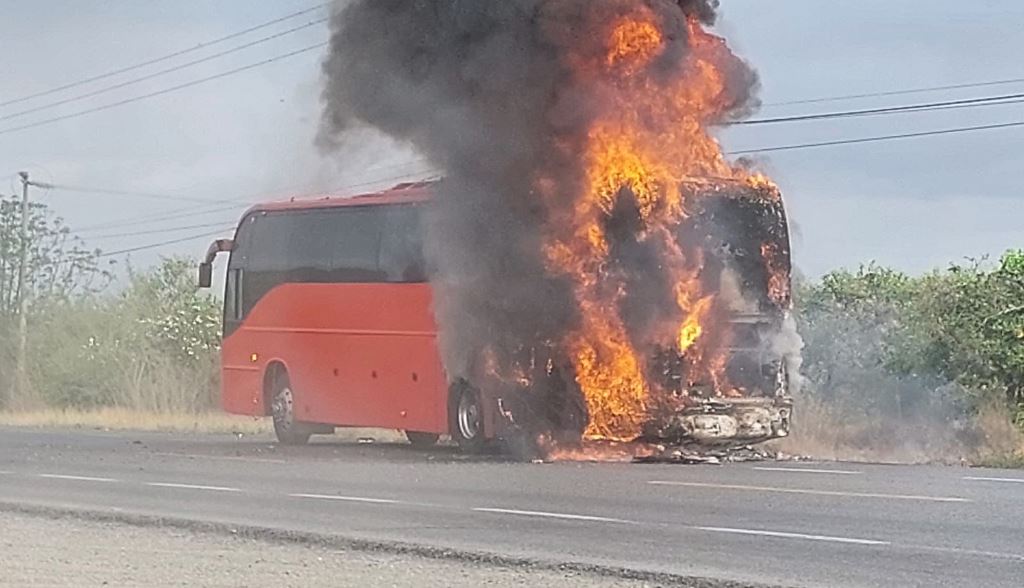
column 422, row 440
column 288, row 429
column 466, row 418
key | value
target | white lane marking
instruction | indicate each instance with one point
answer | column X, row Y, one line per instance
column 984, row 479
column 218, row 457
column 193, row 487
column 811, row 471
column 815, row 492
column 553, row 515
column 76, row 478
column 979, row 553
column 345, row 498
column 782, row 535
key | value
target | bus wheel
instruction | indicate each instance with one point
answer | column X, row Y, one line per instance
column 288, row 429
column 466, row 418
column 422, row 440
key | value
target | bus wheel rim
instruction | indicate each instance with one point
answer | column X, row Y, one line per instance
column 283, row 407
column 469, row 417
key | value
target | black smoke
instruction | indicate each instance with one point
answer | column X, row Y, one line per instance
column 485, row 89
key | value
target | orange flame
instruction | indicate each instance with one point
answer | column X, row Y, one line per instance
column 635, row 43
column 653, row 136
column 778, row 280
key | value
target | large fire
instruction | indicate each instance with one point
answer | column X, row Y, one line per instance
column 599, row 267
column 653, row 138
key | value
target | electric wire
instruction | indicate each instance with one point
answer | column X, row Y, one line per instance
column 189, row 84
column 154, row 196
column 163, row 72
column 165, row 243
column 949, row 131
column 149, row 219
column 922, row 90
column 163, row 58
column 157, row 231
column 178, row 213
column 923, row 107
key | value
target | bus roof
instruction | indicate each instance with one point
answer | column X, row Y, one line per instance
column 411, row 192
column 400, row 194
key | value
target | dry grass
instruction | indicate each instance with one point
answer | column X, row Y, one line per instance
column 1003, row 440
column 119, row 419
column 822, row 432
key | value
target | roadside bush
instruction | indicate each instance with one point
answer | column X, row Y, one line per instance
column 7, row 352
column 915, row 365
column 152, row 347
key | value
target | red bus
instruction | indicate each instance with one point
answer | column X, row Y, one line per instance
column 328, row 319
column 328, row 322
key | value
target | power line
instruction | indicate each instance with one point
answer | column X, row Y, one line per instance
column 879, row 138
column 923, row 107
column 739, row 152
column 189, row 211
column 165, row 243
column 922, row 90
column 336, row 190
column 194, row 237
column 162, row 72
column 157, row 218
column 114, row 192
column 156, row 231
column 163, row 91
column 165, row 57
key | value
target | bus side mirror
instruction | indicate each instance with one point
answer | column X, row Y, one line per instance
column 205, row 275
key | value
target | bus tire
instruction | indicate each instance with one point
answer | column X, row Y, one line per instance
column 466, row 418
column 422, row 440
column 288, row 429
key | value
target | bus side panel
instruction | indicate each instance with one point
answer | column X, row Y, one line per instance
column 242, row 390
column 357, row 354
column 241, row 378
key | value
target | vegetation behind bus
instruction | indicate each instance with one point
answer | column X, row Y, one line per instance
column 887, row 353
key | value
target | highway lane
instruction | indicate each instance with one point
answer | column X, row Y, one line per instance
column 774, row 523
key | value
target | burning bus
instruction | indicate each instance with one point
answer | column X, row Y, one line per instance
column 717, row 376
column 593, row 267
column 329, row 321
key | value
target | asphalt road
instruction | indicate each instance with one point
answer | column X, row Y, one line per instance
column 797, row 524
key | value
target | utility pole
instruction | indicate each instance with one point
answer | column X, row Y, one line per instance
column 22, row 369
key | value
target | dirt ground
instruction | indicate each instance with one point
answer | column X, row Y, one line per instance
column 41, row 552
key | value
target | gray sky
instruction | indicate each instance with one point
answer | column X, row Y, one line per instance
column 913, row 204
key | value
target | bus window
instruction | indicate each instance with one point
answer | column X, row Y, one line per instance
column 233, row 295
column 333, row 246
column 235, row 307
column 401, row 250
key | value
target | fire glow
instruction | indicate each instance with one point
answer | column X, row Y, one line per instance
column 653, row 137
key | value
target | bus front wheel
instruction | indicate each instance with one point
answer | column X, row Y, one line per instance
column 288, row 429
column 466, row 416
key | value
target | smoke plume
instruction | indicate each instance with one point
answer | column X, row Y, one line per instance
column 507, row 96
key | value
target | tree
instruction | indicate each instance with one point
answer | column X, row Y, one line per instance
column 59, row 266
column 973, row 322
column 859, row 330
column 883, row 340
column 176, row 316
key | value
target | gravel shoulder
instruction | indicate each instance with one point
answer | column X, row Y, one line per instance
column 42, row 551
